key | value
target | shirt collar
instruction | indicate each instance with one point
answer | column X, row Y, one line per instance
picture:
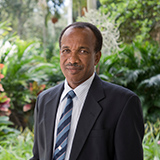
column 79, row 90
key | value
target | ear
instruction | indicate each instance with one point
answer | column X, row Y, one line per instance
column 97, row 57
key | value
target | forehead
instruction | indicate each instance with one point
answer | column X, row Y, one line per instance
column 77, row 29
column 78, row 35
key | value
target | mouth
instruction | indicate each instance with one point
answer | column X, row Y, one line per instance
column 73, row 70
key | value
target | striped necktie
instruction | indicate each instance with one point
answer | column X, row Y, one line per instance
column 63, row 128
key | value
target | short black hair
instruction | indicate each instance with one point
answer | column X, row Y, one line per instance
column 94, row 29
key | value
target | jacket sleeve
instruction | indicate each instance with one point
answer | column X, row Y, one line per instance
column 129, row 132
column 35, row 146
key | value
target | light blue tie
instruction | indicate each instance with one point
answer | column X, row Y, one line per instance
column 63, row 128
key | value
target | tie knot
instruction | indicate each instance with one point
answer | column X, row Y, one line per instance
column 71, row 94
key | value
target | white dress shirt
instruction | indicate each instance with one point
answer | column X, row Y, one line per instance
column 78, row 102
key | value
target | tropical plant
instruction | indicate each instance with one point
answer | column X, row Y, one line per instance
column 137, row 68
column 4, row 100
column 5, row 130
column 4, row 111
column 18, row 59
column 5, row 32
column 25, row 63
column 35, row 89
column 17, row 146
column 151, row 141
column 137, row 18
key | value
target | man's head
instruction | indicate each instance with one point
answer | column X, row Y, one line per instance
column 80, row 45
column 95, row 30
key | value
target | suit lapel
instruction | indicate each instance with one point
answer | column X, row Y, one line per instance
column 89, row 115
column 50, row 116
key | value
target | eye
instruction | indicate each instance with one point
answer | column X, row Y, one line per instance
column 82, row 51
column 65, row 51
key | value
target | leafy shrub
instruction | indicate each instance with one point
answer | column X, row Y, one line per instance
column 4, row 129
column 137, row 18
column 151, row 141
column 137, row 67
column 17, row 146
column 25, row 63
column 19, row 58
column 4, row 100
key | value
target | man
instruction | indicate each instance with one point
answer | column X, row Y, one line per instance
column 106, row 123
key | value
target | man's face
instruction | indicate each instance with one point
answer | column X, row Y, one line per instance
column 77, row 55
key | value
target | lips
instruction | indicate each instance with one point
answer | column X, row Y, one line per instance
column 74, row 70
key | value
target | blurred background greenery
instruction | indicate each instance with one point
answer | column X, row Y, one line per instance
column 29, row 61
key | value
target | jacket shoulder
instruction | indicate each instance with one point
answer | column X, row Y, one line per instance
column 114, row 88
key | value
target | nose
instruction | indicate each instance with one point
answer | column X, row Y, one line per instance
column 73, row 58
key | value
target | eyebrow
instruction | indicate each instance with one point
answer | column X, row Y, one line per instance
column 81, row 47
column 64, row 47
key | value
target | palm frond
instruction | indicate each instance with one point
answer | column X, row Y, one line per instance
column 151, row 82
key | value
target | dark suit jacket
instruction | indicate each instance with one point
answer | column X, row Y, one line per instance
column 110, row 126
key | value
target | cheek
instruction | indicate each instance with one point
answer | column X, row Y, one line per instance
column 62, row 63
column 62, row 59
column 90, row 61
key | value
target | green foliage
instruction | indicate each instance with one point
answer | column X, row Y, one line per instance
column 4, row 121
column 137, row 68
column 17, row 146
column 24, row 63
column 4, row 129
column 136, row 17
column 19, row 58
column 151, row 141
column 5, row 36
column 4, row 26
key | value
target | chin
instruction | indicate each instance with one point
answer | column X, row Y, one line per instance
column 75, row 82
